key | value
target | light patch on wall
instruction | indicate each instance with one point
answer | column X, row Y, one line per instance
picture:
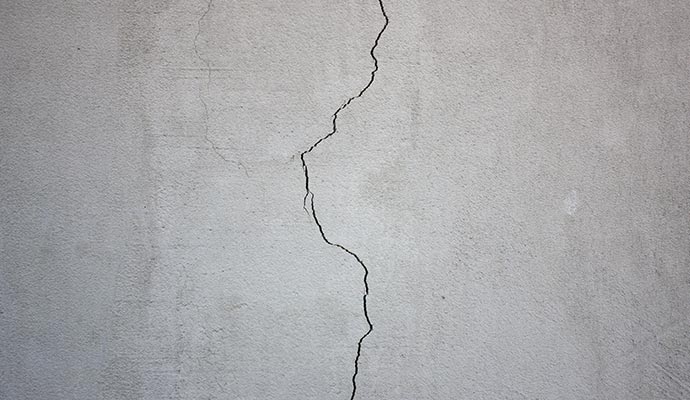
column 571, row 202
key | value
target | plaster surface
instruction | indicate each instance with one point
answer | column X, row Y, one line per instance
column 516, row 180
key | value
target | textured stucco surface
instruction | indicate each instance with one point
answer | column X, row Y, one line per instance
column 517, row 180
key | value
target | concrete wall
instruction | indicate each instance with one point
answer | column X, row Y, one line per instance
column 516, row 180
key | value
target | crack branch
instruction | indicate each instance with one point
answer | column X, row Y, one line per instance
column 308, row 202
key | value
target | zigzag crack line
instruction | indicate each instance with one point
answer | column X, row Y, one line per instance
column 309, row 198
column 207, row 63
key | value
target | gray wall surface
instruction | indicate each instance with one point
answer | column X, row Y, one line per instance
column 516, row 180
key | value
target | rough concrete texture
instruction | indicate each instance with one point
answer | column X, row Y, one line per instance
column 516, row 179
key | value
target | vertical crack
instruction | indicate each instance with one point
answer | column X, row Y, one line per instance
column 207, row 63
column 308, row 202
column 205, row 92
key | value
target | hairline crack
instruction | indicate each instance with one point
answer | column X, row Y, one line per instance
column 207, row 64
